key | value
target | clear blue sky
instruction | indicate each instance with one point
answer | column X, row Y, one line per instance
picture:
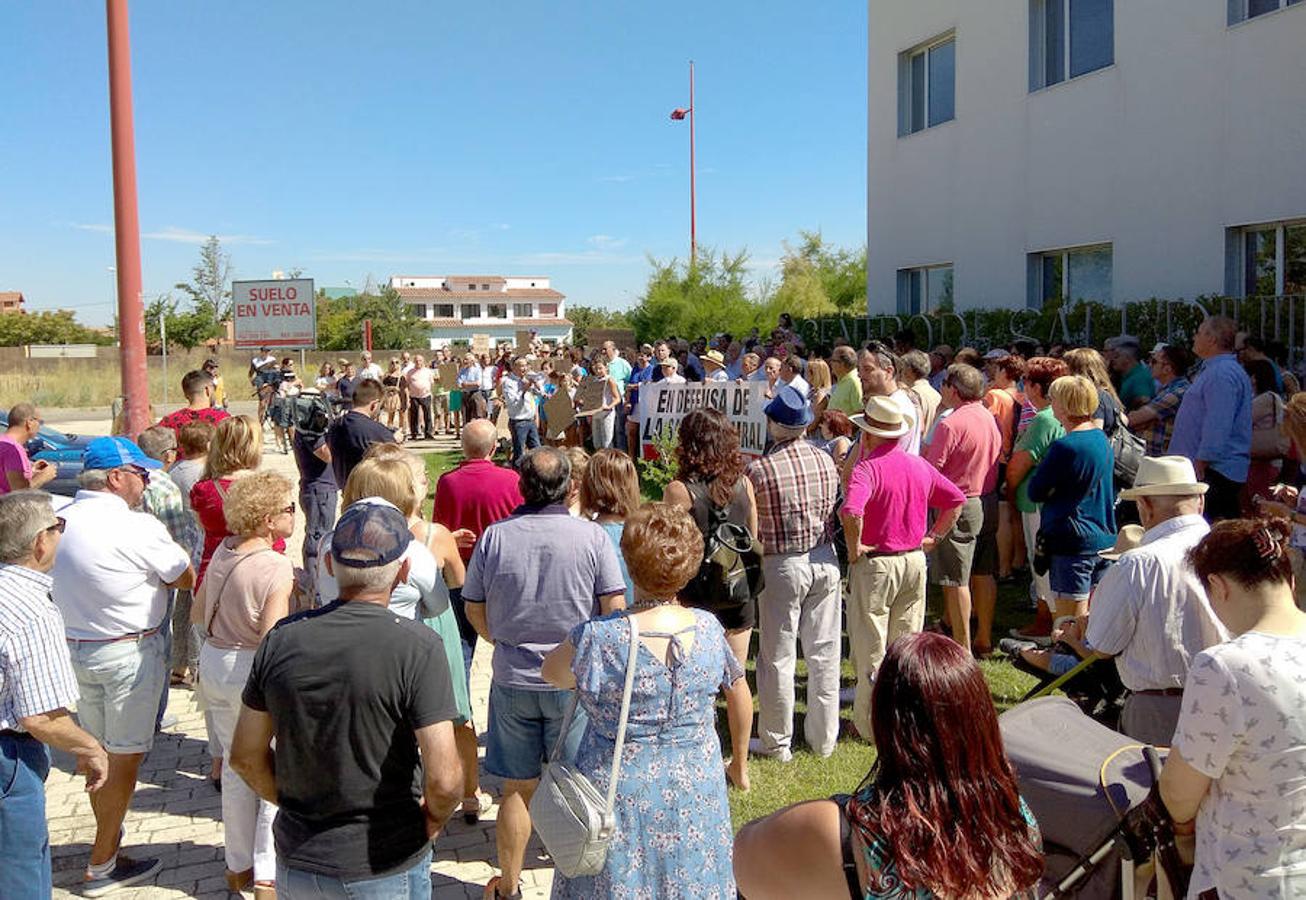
column 428, row 138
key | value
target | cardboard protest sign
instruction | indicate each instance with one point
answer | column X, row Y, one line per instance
column 622, row 337
column 590, row 396
column 524, row 339
column 663, row 405
column 449, row 376
column 480, row 344
column 559, row 414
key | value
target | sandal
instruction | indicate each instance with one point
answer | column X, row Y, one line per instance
column 265, row 890
column 471, row 809
column 492, row 890
column 239, row 881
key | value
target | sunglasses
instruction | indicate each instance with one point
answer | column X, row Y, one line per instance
column 142, row 474
column 58, row 525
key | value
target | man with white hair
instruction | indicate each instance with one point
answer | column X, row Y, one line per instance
column 37, row 685
column 365, row 771
column 368, row 369
column 796, row 486
column 111, row 581
column 1150, row 610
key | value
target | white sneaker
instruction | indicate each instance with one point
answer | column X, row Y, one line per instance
column 755, row 748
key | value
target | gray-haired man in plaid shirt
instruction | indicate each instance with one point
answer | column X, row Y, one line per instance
column 37, row 685
column 796, row 486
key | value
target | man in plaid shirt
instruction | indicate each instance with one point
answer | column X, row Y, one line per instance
column 37, row 685
column 796, row 486
column 1155, row 420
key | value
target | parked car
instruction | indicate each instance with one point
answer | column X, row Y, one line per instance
column 61, row 449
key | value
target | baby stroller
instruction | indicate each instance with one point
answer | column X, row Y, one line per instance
column 1093, row 791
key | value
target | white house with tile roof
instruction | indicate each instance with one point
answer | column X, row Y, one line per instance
column 459, row 306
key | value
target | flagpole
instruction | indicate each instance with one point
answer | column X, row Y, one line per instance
column 693, row 233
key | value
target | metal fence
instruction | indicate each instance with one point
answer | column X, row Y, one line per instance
column 1277, row 319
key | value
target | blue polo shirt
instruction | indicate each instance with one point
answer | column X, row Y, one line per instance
column 540, row 573
column 1214, row 422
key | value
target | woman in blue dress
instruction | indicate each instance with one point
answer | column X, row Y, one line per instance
column 673, row 835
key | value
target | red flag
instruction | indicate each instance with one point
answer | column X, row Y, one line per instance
column 678, row 113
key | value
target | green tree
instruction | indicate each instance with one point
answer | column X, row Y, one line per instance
column 210, row 286
column 818, row 279
column 583, row 318
column 57, row 327
column 697, row 300
column 394, row 323
column 185, row 328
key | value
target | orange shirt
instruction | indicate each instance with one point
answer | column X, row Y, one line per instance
column 1004, row 404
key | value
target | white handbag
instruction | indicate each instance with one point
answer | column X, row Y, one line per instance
column 571, row 817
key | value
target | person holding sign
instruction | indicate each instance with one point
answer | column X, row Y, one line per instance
column 603, row 420
column 521, row 396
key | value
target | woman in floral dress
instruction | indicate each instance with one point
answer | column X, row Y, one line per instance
column 673, row 836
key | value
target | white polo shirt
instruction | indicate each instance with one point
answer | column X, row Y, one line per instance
column 111, row 567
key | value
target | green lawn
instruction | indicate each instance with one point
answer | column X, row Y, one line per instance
column 807, row 776
column 436, row 465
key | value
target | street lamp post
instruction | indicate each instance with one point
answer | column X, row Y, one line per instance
column 678, row 114
column 127, row 226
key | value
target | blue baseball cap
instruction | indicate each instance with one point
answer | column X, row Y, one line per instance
column 371, row 532
column 115, row 452
column 789, row 408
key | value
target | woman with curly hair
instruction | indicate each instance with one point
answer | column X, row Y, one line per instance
column 672, row 833
column 938, row 815
column 247, row 591
column 711, row 486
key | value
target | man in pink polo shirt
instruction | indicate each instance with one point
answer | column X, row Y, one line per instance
column 885, row 516
column 470, row 499
column 965, row 448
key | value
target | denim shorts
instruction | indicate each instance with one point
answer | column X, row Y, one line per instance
column 524, row 726
column 120, row 683
column 1073, row 577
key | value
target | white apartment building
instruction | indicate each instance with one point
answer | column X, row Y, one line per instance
column 1021, row 151
column 460, row 306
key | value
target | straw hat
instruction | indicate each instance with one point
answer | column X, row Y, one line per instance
column 881, row 418
column 1130, row 536
column 1164, row 476
column 713, row 358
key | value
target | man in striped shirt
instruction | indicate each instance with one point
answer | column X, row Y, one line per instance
column 37, row 685
column 796, row 486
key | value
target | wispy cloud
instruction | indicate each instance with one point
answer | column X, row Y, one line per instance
column 374, row 255
column 176, row 234
column 583, row 257
column 605, row 242
column 617, row 179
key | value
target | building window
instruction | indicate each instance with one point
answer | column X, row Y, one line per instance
column 496, row 311
column 1242, row 10
column 485, row 287
column 1069, row 38
column 1273, row 260
column 471, row 287
column 521, row 310
column 420, row 310
column 925, row 289
column 548, row 310
column 1070, row 276
column 927, row 85
column 442, row 310
column 470, row 311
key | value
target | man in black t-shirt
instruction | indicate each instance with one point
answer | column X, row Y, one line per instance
column 365, row 771
column 355, row 431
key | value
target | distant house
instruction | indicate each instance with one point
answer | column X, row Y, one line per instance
column 11, row 302
column 459, row 306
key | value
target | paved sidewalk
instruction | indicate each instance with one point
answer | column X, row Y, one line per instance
column 176, row 814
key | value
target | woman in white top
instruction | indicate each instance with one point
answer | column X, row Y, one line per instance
column 245, row 591
column 604, row 421
column 1238, row 763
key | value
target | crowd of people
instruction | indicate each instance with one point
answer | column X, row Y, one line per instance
column 1152, row 509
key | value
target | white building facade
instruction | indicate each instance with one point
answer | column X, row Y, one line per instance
column 461, row 306
column 1026, row 151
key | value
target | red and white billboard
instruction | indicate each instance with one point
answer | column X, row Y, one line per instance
column 277, row 313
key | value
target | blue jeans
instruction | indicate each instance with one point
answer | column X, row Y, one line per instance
column 413, row 883
column 524, row 726
column 24, row 841
column 525, row 436
column 319, row 503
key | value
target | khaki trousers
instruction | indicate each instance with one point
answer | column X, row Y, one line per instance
column 886, row 601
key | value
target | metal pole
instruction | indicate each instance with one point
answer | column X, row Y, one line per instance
column 163, row 339
column 693, row 225
column 127, row 226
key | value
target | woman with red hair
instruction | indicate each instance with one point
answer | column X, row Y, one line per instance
column 938, row 815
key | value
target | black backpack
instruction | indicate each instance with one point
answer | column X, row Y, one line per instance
column 730, row 574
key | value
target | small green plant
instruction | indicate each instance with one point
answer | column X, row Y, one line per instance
column 655, row 474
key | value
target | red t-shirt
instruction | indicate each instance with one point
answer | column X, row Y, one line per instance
column 475, row 496
column 206, row 500
column 175, row 420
